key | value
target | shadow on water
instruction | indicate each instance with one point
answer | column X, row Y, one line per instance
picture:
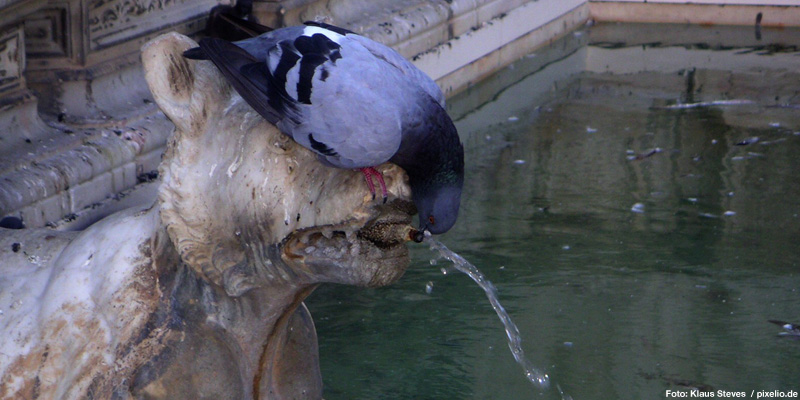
column 640, row 244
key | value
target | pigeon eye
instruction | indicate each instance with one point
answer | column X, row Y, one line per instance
column 431, row 220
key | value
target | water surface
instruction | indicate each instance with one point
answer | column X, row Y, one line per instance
column 639, row 244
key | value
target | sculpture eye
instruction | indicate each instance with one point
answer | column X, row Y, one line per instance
column 431, row 220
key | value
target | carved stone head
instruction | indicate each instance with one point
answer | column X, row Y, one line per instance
column 247, row 207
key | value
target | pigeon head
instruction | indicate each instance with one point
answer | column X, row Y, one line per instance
column 433, row 157
column 438, row 209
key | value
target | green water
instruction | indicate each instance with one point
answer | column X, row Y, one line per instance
column 639, row 248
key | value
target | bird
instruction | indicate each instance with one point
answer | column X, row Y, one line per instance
column 353, row 101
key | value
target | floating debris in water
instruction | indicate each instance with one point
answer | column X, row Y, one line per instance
column 589, row 129
column 519, row 162
column 638, row 208
column 769, row 142
column 729, row 213
column 715, row 103
column 747, row 156
column 644, row 155
column 789, row 328
column 775, row 124
column 750, row 140
column 429, row 287
column 513, row 118
column 565, row 247
column 537, row 377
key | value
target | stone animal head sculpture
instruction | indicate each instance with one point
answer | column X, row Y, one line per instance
column 233, row 185
column 199, row 295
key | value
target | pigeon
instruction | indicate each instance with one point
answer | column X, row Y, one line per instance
column 356, row 103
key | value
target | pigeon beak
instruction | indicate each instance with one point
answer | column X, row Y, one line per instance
column 415, row 235
column 418, row 235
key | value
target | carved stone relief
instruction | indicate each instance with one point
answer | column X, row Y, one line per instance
column 12, row 59
column 46, row 33
column 111, row 22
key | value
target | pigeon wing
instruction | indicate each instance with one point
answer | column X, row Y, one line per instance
column 251, row 78
column 326, row 88
column 351, row 101
column 414, row 75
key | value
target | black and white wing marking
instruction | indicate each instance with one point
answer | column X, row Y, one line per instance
column 245, row 73
column 321, row 86
column 274, row 82
column 315, row 49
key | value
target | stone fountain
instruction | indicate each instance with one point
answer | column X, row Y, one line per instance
column 199, row 295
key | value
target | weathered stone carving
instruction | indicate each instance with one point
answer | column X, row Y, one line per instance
column 199, row 295
column 12, row 59
column 46, row 33
column 113, row 21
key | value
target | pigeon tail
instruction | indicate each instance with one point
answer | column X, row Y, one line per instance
column 369, row 173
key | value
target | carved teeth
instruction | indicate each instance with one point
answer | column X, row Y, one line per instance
column 389, row 228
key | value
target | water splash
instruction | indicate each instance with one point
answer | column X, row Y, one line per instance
column 533, row 374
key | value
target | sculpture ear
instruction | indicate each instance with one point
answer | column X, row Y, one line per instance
column 181, row 87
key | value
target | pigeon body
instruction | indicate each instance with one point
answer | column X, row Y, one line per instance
column 353, row 101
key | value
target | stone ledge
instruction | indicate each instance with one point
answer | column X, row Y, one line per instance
column 498, row 42
column 773, row 13
column 88, row 167
column 409, row 26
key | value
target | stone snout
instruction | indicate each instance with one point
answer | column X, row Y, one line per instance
column 199, row 295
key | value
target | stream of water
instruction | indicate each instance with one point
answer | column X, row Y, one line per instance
column 535, row 375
